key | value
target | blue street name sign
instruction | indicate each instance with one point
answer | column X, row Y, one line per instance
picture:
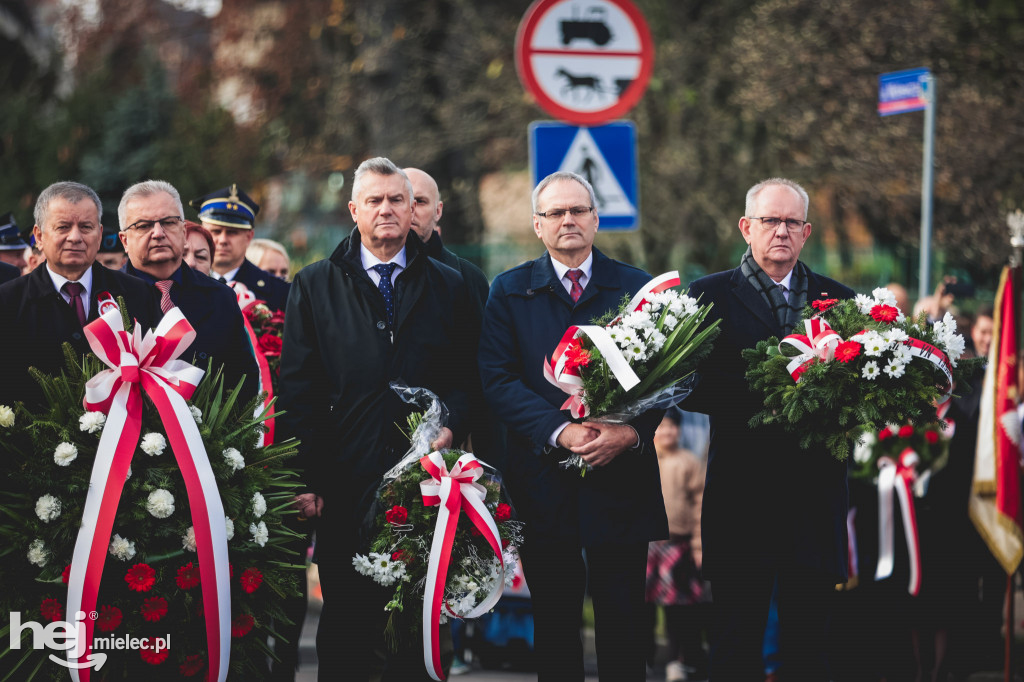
column 903, row 91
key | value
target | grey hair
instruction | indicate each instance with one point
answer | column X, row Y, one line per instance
column 72, row 192
column 562, row 175
column 378, row 165
column 752, row 193
column 146, row 188
column 257, row 247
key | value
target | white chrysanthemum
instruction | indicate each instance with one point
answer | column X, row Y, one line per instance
column 160, row 503
column 385, row 571
column 92, row 422
column 260, row 535
column 122, row 548
column 895, row 369
column 153, row 444
column 234, row 459
column 670, row 322
column 259, row 505
column 895, row 335
column 47, row 508
column 197, row 414
column 954, row 347
column 864, row 304
column 229, row 527
column 37, row 553
column 6, row 417
column 870, row 370
column 639, row 320
column 64, row 454
column 884, row 297
column 902, row 354
column 362, row 565
column 636, row 353
column 188, row 540
column 677, row 306
column 874, row 344
column 657, row 340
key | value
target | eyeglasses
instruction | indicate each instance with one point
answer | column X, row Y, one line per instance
column 559, row 213
column 772, row 224
column 168, row 223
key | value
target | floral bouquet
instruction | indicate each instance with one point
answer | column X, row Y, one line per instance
column 265, row 329
column 182, row 548
column 440, row 532
column 637, row 358
column 860, row 365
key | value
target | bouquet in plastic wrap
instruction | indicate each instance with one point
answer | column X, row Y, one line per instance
column 637, row 358
column 441, row 532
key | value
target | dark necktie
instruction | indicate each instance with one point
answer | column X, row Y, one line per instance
column 386, row 290
column 74, row 291
column 576, row 291
column 164, row 286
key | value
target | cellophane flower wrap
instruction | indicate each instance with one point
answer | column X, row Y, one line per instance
column 854, row 366
column 151, row 583
column 402, row 527
column 638, row 357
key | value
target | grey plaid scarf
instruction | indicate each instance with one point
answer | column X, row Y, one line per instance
column 787, row 314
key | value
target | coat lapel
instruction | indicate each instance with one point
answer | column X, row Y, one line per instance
column 603, row 275
column 543, row 278
column 747, row 296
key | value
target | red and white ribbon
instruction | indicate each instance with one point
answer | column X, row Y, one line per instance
column 246, row 299
column 567, row 378
column 926, row 351
column 899, row 476
column 149, row 363
column 819, row 343
column 454, row 492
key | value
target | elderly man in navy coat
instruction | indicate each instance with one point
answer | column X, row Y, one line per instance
column 772, row 513
column 613, row 512
column 153, row 234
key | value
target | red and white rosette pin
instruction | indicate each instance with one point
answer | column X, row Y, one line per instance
column 819, row 343
column 246, row 299
column 149, row 364
column 454, row 492
column 898, row 476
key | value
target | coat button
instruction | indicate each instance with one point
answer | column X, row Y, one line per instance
column 261, row 283
column 381, row 326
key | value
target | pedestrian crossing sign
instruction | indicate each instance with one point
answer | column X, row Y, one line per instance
column 604, row 155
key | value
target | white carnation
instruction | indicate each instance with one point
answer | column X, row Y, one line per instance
column 259, row 533
column 160, row 503
column 92, row 422
column 6, row 417
column 64, row 454
column 47, row 508
column 153, row 444
column 954, row 347
column 122, row 548
column 234, row 459
column 259, row 505
column 229, row 527
column 37, row 553
column 188, row 540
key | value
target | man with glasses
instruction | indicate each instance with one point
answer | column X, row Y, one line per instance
column 153, row 234
column 49, row 306
column 611, row 514
column 773, row 513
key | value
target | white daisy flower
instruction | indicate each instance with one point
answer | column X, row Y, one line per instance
column 259, row 505
column 895, row 369
column 92, row 422
column 864, row 304
column 234, row 458
column 895, row 335
column 47, row 508
column 870, row 370
column 122, row 548
column 362, row 565
column 902, row 354
column 188, row 540
column 160, row 503
column 874, row 344
column 153, row 444
column 6, row 417
column 65, row 454
column 37, row 553
column 260, row 535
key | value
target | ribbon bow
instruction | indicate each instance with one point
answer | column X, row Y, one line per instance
column 149, row 363
column 247, row 299
column 898, row 475
column 453, row 491
column 819, row 343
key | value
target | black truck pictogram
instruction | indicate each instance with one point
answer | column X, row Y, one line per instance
column 592, row 28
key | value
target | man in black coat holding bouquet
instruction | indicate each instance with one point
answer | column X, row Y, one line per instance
column 615, row 510
column 772, row 512
column 379, row 309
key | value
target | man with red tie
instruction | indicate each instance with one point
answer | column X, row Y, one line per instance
column 48, row 307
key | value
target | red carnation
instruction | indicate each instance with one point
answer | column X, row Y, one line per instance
column 66, row 575
column 51, row 609
column 397, row 515
column 824, row 304
column 140, row 577
column 931, row 436
column 192, row 666
column 884, row 313
column 906, row 431
column 502, row 513
column 154, row 608
column 150, row 654
column 108, row 619
column 847, row 351
column 188, row 576
column 242, row 624
column 885, row 433
column 251, row 580
column 270, row 345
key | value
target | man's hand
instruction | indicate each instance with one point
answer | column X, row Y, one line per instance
column 309, row 505
column 443, row 440
column 611, row 441
column 575, row 435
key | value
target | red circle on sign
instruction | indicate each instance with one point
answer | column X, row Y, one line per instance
column 626, row 100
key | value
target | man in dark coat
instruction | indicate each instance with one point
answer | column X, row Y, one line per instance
column 379, row 309
column 615, row 510
column 153, row 234
column 229, row 214
column 772, row 512
column 47, row 308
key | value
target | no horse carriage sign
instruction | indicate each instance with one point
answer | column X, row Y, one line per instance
column 585, row 61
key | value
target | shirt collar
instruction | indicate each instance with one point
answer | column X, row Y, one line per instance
column 59, row 280
column 228, row 276
column 586, row 266
column 369, row 260
column 784, row 282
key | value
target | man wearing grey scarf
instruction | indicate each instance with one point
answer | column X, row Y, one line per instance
column 773, row 514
